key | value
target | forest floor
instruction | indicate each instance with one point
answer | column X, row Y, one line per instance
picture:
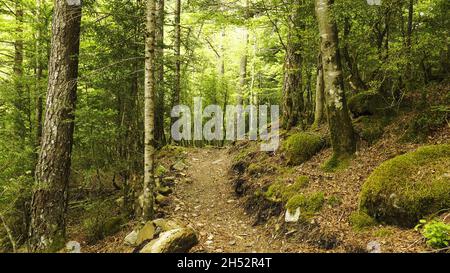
column 204, row 198
column 208, row 203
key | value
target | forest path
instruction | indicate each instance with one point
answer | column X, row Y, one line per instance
column 207, row 202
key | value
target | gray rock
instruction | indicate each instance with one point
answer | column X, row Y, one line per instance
column 179, row 166
column 73, row 247
column 178, row 240
column 131, row 238
column 290, row 217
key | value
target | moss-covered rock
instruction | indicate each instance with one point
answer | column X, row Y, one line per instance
column 360, row 220
column 282, row 192
column 366, row 104
column 409, row 187
column 370, row 129
column 308, row 203
column 302, row 146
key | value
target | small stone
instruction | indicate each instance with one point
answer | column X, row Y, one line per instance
column 73, row 247
column 179, row 166
column 131, row 238
column 232, row 243
column 292, row 218
column 374, row 247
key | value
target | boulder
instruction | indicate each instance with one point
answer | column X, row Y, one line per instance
column 131, row 238
column 166, row 225
column 147, row 232
column 366, row 104
column 178, row 240
column 302, row 146
column 409, row 187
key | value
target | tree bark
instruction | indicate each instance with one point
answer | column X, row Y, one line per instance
column 341, row 129
column 159, row 109
column 293, row 103
column 49, row 202
column 149, row 112
column 177, row 49
column 320, row 96
column 19, row 101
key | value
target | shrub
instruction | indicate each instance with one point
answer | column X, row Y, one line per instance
column 436, row 232
column 101, row 221
column 408, row 187
column 302, row 146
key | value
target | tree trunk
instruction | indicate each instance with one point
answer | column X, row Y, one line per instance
column 49, row 202
column 19, row 101
column 177, row 49
column 293, row 105
column 341, row 129
column 39, row 75
column 159, row 108
column 320, row 96
column 149, row 112
column 243, row 70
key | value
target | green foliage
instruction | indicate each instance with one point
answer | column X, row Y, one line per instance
column 101, row 220
column 436, row 232
column 300, row 147
column 360, row 220
column 408, row 187
column 308, row 203
column 427, row 122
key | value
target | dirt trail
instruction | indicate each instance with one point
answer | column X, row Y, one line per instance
column 207, row 202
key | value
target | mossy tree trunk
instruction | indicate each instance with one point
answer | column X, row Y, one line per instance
column 149, row 112
column 293, row 105
column 49, row 202
column 341, row 129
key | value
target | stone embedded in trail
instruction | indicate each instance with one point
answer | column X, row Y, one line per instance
column 179, row 166
column 292, row 217
column 146, row 233
column 131, row 238
column 173, row 241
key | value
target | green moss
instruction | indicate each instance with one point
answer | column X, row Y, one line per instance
column 383, row 232
column 334, row 201
column 308, row 203
column 260, row 168
column 279, row 191
column 302, row 146
column 366, row 103
column 409, row 187
column 335, row 163
column 160, row 171
column 370, row 128
column 360, row 220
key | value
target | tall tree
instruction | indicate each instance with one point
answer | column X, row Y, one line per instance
column 149, row 112
column 19, row 102
column 159, row 109
column 341, row 129
column 177, row 51
column 49, row 202
column 293, row 104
